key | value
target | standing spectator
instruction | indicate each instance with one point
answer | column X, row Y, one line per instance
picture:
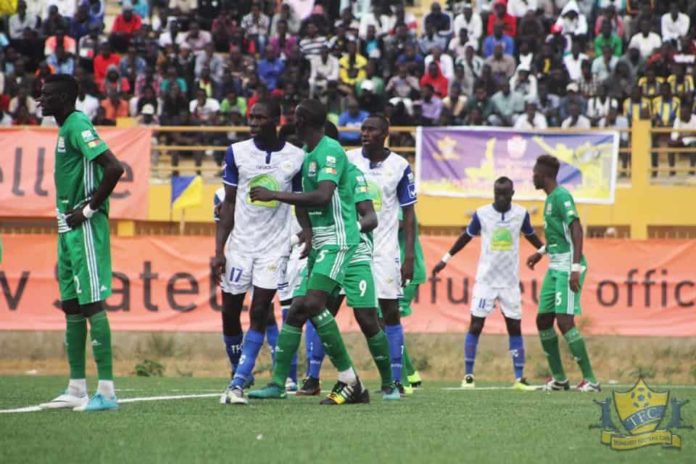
column 685, row 121
column 498, row 37
column 441, row 21
column 603, row 66
column 196, row 38
column 444, row 61
column 353, row 117
column 607, row 38
column 436, row 80
column 282, row 40
column 22, row 20
column 470, row 22
column 573, row 61
column 575, row 119
column 324, row 68
column 86, row 103
column 502, row 66
column 675, row 24
column 102, row 62
column 431, row 39
column 500, row 15
column 646, row 41
column 114, row 106
column 352, row 65
column 62, row 62
column 312, row 43
column 430, row 105
column 270, row 69
column 531, row 119
column 125, row 26
column 507, row 105
column 256, row 24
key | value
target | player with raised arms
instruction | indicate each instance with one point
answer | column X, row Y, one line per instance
column 326, row 212
column 497, row 278
column 252, row 236
column 559, row 298
column 86, row 172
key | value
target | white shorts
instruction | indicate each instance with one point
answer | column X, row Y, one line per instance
column 485, row 297
column 289, row 276
column 244, row 271
column 387, row 273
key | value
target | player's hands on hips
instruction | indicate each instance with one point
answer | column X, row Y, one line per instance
column 406, row 272
column 305, row 237
column 261, row 194
column 218, row 265
column 74, row 218
column 533, row 260
column 438, row 267
column 574, row 282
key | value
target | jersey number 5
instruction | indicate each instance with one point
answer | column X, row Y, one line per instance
column 321, row 256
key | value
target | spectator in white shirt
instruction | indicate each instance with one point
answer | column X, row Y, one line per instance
column 323, row 68
column 686, row 120
column 674, row 24
column 531, row 119
column 598, row 106
column 256, row 24
column 574, row 60
column 381, row 17
column 443, row 60
column 646, row 41
column 196, row 38
column 524, row 83
column 519, row 8
column 576, row 120
column 86, row 103
column 203, row 109
column 604, row 65
column 470, row 21
column 457, row 45
column 22, row 20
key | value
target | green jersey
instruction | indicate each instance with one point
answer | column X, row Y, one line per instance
column 559, row 213
column 419, row 274
column 361, row 192
column 76, row 174
column 335, row 223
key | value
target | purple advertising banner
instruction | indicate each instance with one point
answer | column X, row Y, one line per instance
column 465, row 161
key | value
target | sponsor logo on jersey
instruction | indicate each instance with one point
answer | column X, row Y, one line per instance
column 287, row 166
column 331, row 160
column 312, row 169
column 61, row 145
column 549, row 207
column 330, row 170
column 87, row 135
column 93, row 143
column 264, row 167
column 502, row 240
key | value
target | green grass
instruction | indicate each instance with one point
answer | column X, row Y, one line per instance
column 433, row 425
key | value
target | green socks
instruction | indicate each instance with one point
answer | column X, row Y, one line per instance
column 75, row 341
column 577, row 347
column 327, row 329
column 379, row 349
column 101, row 345
column 408, row 368
column 286, row 347
column 549, row 343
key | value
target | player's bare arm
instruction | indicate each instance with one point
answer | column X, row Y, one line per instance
column 305, row 235
column 410, row 244
column 315, row 199
column 223, row 230
column 367, row 216
column 576, row 237
column 112, row 173
column 461, row 242
column 538, row 245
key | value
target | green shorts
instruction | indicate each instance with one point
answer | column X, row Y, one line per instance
column 84, row 261
column 326, row 267
column 359, row 286
column 556, row 295
column 409, row 293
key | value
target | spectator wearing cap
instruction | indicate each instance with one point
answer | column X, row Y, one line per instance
column 572, row 97
column 469, row 21
column 256, row 24
column 573, row 61
column 675, row 24
column 102, row 61
column 443, row 60
column 369, row 96
column 575, row 119
column 270, row 69
column 502, row 65
column 431, row 39
column 607, row 38
column 196, row 38
column 352, row 65
column 498, row 38
column 646, row 41
column 353, row 117
column 531, row 119
column 441, row 21
column 603, row 66
column 524, row 83
column 376, row 81
column 500, row 15
column 125, row 26
column 147, row 116
column 598, row 106
column 507, row 105
column 436, row 80
column 22, row 20
column 455, row 104
column 86, row 103
column 323, row 68
column 147, row 97
column 114, row 106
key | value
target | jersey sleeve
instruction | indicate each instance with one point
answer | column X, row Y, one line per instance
column 565, row 205
column 474, row 227
column 406, row 189
column 330, row 166
column 84, row 138
column 527, row 228
column 230, row 174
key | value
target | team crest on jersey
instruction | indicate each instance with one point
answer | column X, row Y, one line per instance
column 549, row 207
column 87, row 135
column 331, row 161
column 312, row 170
column 61, row 145
column 286, row 166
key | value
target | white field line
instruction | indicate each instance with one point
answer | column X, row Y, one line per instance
column 606, row 387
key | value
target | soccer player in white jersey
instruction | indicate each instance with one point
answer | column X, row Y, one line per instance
column 497, row 277
column 260, row 230
column 392, row 186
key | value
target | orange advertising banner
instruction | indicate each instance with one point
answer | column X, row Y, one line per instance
column 26, row 172
column 163, row 284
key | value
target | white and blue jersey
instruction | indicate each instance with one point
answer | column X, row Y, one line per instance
column 500, row 244
column 262, row 228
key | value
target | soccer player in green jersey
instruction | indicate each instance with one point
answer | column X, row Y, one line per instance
column 86, row 172
column 326, row 212
column 559, row 299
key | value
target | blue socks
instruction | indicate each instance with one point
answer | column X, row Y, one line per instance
column 233, row 346
column 315, row 354
column 272, row 339
column 293, row 364
column 395, row 336
column 470, row 345
column 250, row 350
column 517, row 352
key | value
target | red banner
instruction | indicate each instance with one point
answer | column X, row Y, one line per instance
column 26, row 172
column 163, row 284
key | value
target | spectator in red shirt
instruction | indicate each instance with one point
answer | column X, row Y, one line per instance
column 500, row 14
column 114, row 106
column 103, row 61
column 125, row 25
column 436, row 79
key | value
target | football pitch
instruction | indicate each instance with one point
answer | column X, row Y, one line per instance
column 180, row 420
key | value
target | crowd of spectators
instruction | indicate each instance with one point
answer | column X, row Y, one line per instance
column 526, row 64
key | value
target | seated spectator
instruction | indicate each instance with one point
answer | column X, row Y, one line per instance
column 462, row 79
column 498, row 38
column 88, row 47
column 650, row 83
column 615, row 23
column 547, row 104
column 21, row 21
column 573, row 61
column 381, row 18
column 125, row 26
column 369, row 96
column 436, row 80
column 324, row 68
column 54, row 22
column 531, row 119
column 403, row 84
column 95, row 8
column 172, row 36
column 348, row 21
column 149, row 79
column 114, row 81
column 352, row 117
column 205, row 82
column 174, row 103
column 131, row 66
column 282, row 40
column 412, row 59
column 481, row 103
column 22, row 100
column 455, row 104
column 470, row 22
column 114, row 106
column 685, row 121
column 572, row 97
column 546, row 62
column 377, row 87
column 80, row 24
column 603, row 66
column 472, row 63
column 101, row 119
column 286, row 14
column 60, row 39
column 203, row 109
column 148, row 97
column 598, row 106
column 430, row 106
column 524, row 83
column 256, row 24
column 62, row 62
column 172, row 77
column 352, row 66
column 443, row 60
column 507, row 105
column 103, row 61
column 675, row 24
column 572, row 22
column 24, row 118
column 406, row 18
column 619, row 83
column 645, row 41
column 196, row 38
column 665, row 107
column 86, row 103
column 441, row 21
column 431, row 39
column 270, row 69
column 207, row 59
column 531, row 30
column 575, row 119
column 502, row 66
column 588, row 82
column 233, row 102
column 147, row 116
column 614, row 120
column 682, row 85
column 635, row 62
column 607, row 38
column 636, row 106
column 5, row 119
column 372, row 46
column 519, row 8
column 312, row 43
column 221, row 30
column 500, row 15
column 338, row 44
column 457, row 45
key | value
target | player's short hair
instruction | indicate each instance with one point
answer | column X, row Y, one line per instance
column 504, row 180
column 330, row 130
column 313, row 112
column 384, row 122
column 550, row 163
column 272, row 105
column 67, row 83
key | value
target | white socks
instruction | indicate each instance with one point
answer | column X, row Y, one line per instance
column 106, row 388
column 77, row 387
column 348, row 376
